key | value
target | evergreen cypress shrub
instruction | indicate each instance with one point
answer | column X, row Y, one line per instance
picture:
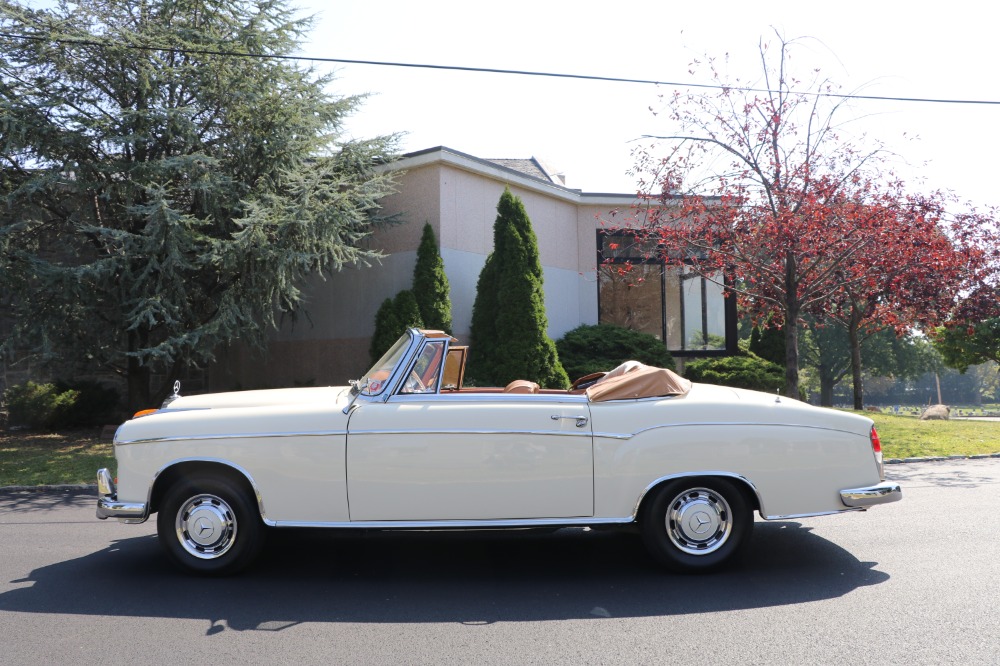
column 769, row 344
column 407, row 313
column 483, row 334
column 508, row 335
column 386, row 325
column 430, row 284
column 392, row 319
column 747, row 371
column 601, row 347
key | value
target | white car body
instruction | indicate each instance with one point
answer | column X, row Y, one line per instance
column 377, row 456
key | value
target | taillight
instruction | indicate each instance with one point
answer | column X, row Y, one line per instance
column 876, row 442
column 877, row 450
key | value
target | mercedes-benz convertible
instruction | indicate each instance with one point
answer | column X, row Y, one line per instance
column 408, row 446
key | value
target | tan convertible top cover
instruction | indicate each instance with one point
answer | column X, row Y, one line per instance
column 633, row 380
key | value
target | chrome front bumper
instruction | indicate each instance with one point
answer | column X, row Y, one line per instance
column 863, row 498
column 108, row 505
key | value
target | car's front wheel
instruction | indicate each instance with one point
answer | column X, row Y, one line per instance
column 210, row 525
column 696, row 525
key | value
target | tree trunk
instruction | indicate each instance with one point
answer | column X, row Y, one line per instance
column 792, row 308
column 792, row 353
column 826, row 384
column 138, row 377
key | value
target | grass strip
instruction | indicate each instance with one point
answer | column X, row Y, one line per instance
column 909, row 437
column 52, row 458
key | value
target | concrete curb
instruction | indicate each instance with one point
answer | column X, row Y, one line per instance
column 92, row 487
column 978, row 456
column 63, row 488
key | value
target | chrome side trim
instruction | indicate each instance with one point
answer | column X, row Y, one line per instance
column 460, row 524
column 881, row 493
column 449, row 397
column 688, row 475
column 246, row 435
column 342, row 433
column 741, row 424
column 558, row 433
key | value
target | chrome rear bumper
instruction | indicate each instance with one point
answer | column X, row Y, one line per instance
column 882, row 493
column 108, row 505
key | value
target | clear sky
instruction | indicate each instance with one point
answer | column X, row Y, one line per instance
column 587, row 129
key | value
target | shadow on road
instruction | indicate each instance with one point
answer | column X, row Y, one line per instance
column 942, row 474
column 473, row 578
column 23, row 502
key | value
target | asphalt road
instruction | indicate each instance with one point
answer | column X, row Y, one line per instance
column 914, row 582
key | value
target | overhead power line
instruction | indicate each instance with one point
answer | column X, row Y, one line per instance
column 489, row 70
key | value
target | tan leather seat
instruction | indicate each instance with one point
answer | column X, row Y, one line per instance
column 521, row 386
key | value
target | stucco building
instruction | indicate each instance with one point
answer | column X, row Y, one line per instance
column 457, row 194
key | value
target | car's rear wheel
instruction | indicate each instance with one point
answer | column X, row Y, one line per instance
column 696, row 525
column 210, row 525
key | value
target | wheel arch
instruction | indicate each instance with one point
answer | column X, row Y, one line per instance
column 743, row 484
column 179, row 469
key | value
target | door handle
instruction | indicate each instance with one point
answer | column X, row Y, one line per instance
column 580, row 420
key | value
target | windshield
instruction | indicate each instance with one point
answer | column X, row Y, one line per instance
column 375, row 379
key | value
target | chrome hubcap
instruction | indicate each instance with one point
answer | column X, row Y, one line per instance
column 699, row 521
column 206, row 526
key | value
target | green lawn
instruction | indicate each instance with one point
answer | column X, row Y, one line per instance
column 41, row 458
column 909, row 437
column 31, row 459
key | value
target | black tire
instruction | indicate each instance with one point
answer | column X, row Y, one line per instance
column 696, row 525
column 210, row 525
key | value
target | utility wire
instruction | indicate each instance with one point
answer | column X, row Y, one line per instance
column 489, row 70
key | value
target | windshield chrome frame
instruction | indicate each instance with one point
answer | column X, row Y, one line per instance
column 393, row 381
column 411, row 364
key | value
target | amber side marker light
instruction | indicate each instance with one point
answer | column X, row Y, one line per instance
column 145, row 412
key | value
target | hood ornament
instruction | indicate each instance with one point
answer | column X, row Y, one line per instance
column 176, row 394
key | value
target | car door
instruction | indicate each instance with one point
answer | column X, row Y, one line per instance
column 468, row 456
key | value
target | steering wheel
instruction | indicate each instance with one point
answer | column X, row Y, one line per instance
column 586, row 380
column 413, row 384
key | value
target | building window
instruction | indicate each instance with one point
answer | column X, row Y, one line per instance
column 638, row 290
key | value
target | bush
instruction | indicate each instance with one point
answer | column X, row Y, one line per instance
column 391, row 321
column 508, row 332
column 747, row 371
column 95, row 405
column 60, row 405
column 430, row 284
column 600, row 348
column 769, row 344
column 38, row 405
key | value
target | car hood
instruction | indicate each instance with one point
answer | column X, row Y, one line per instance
column 308, row 411
column 328, row 396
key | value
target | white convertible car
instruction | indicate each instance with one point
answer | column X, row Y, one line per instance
column 408, row 447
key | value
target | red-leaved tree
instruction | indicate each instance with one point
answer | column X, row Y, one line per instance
column 756, row 185
column 910, row 278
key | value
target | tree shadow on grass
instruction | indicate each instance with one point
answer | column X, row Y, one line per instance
column 467, row 577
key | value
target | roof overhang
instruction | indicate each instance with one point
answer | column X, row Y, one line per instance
column 494, row 171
